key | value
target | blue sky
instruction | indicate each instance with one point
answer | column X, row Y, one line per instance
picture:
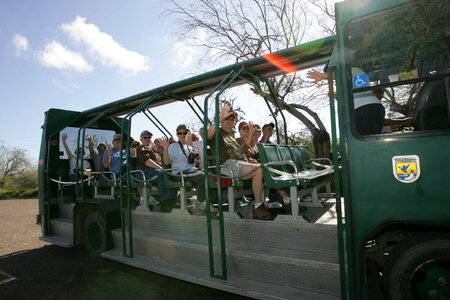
column 76, row 55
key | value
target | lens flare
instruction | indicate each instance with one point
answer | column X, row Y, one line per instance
column 281, row 62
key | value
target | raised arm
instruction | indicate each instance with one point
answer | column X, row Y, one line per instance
column 69, row 153
column 165, row 145
column 316, row 76
column 225, row 112
column 107, row 158
column 251, row 130
column 91, row 146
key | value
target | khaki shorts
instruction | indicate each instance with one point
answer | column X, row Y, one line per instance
column 236, row 166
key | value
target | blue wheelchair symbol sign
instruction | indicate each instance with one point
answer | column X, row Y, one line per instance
column 360, row 81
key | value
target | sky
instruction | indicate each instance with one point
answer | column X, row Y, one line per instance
column 76, row 55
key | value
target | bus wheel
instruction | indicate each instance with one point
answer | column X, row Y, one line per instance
column 421, row 270
column 94, row 234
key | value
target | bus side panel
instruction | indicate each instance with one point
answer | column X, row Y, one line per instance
column 378, row 197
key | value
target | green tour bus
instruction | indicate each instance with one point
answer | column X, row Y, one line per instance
column 377, row 224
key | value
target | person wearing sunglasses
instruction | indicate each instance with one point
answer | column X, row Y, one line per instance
column 232, row 155
column 182, row 156
column 147, row 161
column 246, row 140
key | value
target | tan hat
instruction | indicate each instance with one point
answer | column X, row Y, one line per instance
column 117, row 136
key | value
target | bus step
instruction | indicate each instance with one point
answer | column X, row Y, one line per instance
column 250, row 271
column 58, row 240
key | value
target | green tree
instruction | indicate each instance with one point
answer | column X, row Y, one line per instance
column 16, row 170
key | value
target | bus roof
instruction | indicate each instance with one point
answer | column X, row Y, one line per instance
column 300, row 57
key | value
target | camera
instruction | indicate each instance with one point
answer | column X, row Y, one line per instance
column 191, row 157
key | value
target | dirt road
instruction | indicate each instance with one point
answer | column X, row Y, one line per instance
column 31, row 269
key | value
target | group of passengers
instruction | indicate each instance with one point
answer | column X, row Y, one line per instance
column 185, row 156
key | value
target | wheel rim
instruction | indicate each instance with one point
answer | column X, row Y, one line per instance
column 95, row 236
column 431, row 280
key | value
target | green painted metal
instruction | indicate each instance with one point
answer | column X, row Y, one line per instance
column 127, row 122
column 80, row 186
column 337, row 151
column 302, row 56
column 195, row 111
column 199, row 107
column 154, row 123
column 160, row 124
column 374, row 198
column 207, row 158
column 219, row 176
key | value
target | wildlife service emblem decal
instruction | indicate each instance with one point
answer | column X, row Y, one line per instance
column 406, row 168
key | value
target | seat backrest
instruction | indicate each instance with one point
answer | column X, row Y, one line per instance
column 269, row 153
column 297, row 157
column 285, row 154
column 306, row 157
column 432, row 106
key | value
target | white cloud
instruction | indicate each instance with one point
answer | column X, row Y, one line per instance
column 58, row 56
column 182, row 55
column 104, row 48
column 20, row 43
column 183, row 52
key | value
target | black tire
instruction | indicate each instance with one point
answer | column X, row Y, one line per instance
column 419, row 269
column 95, row 236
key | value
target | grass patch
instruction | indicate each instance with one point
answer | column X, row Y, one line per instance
column 27, row 193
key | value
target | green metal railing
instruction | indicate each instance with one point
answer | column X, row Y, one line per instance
column 225, row 83
column 155, row 123
column 80, row 184
column 127, row 209
column 337, row 149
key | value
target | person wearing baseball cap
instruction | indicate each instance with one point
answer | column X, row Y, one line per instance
column 111, row 157
column 267, row 131
column 232, row 155
column 246, row 131
column 149, row 161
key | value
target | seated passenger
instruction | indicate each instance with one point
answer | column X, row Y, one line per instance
column 146, row 161
column 158, row 150
column 73, row 160
column 267, row 131
column 255, row 140
column 182, row 155
column 246, row 130
column 232, row 155
column 112, row 156
column 97, row 158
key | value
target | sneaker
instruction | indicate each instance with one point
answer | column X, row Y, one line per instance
column 260, row 213
column 274, row 204
column 242, row 201
column 200, row 205
column 152, row 201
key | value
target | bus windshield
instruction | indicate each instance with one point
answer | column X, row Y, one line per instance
column 408, row 43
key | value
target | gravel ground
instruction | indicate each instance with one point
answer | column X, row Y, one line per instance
column 32, row 269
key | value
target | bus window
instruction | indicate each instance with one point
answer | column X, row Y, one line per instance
column 98, row 137
column 406, row 65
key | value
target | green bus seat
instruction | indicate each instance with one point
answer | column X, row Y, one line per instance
column 269, row 154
